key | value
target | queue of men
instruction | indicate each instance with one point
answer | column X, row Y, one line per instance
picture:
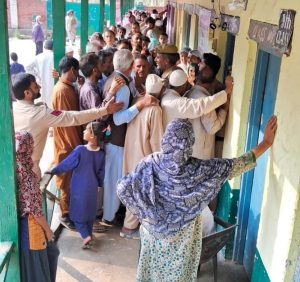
column 135, row 83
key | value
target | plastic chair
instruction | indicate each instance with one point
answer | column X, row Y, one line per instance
column 213, row 243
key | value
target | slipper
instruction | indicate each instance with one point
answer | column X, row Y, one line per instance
column 98, row 228
column 86, row 246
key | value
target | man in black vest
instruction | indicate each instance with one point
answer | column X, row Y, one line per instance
column 123, row 62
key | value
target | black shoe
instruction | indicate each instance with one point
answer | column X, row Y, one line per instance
column 67, row 222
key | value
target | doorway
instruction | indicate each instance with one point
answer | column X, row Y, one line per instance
column 261, row 109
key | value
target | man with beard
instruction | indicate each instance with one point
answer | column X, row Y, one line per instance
column 177, row 105
column 209, row 124
column 140, row 73
column 107, row 67
column 166, row 59
column 90, row 94
column 37, row 118
column 123, row 63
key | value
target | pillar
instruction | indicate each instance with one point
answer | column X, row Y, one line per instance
column 8, row 206
column 112, row 12
column 58, row 16
column 122, row 3
column 101, row 16
column 13, row 5
column 84, row 25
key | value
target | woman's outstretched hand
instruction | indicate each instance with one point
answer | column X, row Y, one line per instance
column 269, row 136
column 270, row 130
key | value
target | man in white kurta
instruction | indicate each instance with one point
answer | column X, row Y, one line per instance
column 41, row 67
column 209, row 124
column 174, row 106
column 143, row 137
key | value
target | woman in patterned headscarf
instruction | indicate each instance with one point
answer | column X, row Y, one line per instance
column 38, row 254
column 168, row 191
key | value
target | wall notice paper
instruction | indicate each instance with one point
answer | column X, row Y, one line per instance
column 203, row 30
column 237, row 4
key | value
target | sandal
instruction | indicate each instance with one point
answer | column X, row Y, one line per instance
column 87, row 243
column 86, row 246
column 98, row 228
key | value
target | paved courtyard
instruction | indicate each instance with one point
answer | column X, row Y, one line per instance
column 114, row 259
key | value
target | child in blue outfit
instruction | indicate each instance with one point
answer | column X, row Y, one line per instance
column 87, row 163
column 15, row 67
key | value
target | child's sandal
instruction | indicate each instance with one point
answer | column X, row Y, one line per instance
column 86, row 246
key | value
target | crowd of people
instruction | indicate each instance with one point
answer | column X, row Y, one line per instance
column 134, row 120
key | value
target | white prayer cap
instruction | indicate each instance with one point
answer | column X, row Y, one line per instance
column 195, row 53
column 68, row 49
column 177, row 78
column 154, row 83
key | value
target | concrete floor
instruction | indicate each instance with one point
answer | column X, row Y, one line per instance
column 114, row 259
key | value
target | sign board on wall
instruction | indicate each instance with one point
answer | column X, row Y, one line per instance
column 276, row 38
column 263, row 33
column 283, row 39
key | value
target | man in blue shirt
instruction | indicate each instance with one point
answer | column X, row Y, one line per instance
column 15, row 67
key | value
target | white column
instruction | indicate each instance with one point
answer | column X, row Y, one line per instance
column 13, row 7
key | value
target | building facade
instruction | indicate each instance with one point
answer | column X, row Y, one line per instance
column 260, row 42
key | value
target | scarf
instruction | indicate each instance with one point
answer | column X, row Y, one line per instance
column 169, row 189
column 29, row 193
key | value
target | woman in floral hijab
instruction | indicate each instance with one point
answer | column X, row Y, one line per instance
column 38, row 254
column 168, row 191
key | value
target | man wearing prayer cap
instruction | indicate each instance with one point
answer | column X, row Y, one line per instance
column 69, row 51
column 143, row 137
column 194, row 57
column 175, row 105
column 183, row 53
column 166, row 59
column 211, row 123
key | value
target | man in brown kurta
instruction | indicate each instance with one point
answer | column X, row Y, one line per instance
column 66, row 139
column 143, row 137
